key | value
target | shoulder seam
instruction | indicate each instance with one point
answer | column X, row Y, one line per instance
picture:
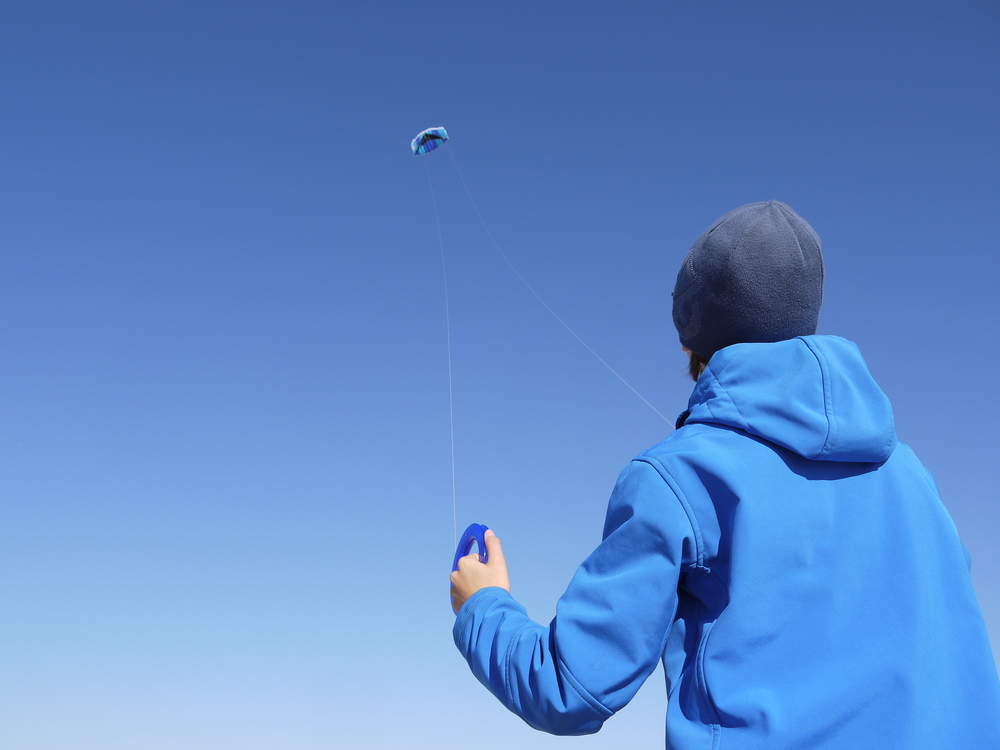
column 675, row 488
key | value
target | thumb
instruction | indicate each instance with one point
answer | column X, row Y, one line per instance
column 494, row 552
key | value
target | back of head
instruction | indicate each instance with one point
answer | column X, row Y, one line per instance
column 755, row 276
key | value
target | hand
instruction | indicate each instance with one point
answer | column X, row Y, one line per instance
column 473, row 575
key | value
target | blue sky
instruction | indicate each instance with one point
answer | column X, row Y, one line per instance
column 225, row 479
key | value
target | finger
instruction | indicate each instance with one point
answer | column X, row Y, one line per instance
column 494, row 551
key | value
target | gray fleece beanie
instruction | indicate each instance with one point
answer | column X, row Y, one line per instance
column 755, row 276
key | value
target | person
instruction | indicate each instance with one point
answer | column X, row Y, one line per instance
column 786, row 557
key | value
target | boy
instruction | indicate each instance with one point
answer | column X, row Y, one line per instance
column 784, row 555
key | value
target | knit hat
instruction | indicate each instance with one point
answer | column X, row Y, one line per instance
column 755, row 276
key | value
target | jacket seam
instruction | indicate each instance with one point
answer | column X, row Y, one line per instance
column 702, row 675
column 678, row 493
column 465, row 624
column 702, row 569
column 465, row 620
column 718, row 379
column 832, row 433
column 595, row 705
column 506, row 666
column 886, row 450
column 584, row 694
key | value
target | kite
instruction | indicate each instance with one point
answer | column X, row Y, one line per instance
column 428, row 140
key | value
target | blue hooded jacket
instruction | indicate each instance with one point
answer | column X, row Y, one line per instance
column 789, row 561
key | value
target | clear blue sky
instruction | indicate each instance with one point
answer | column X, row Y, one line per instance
column 225, row 479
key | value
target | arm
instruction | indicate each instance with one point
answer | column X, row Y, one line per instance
column 610, row 625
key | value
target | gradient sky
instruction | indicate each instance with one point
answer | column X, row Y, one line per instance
column 225, row 477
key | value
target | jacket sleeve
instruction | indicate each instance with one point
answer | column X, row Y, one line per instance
column 610, row 625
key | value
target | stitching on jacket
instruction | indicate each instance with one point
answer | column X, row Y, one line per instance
column 701, row 570
column 718, row 379
column 506, row 666
column 582, row 692
column 892, row 434
column 831, row 422
column 702, row 677
column 465, row 624
column 707, row 402
column 468, row 616
column 674, row 487
column 562, row 671
column 698, row 566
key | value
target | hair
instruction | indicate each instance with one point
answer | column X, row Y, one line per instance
column 696, row 365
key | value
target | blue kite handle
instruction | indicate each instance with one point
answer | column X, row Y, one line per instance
column 476, row 533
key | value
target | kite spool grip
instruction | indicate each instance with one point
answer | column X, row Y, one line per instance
column 475, row 534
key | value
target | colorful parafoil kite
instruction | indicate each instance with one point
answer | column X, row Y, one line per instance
column 429, row 140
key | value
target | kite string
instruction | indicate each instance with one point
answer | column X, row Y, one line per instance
column 451, row 400
column 538, row 296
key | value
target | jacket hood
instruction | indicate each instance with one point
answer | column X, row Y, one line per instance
column 812, row 395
